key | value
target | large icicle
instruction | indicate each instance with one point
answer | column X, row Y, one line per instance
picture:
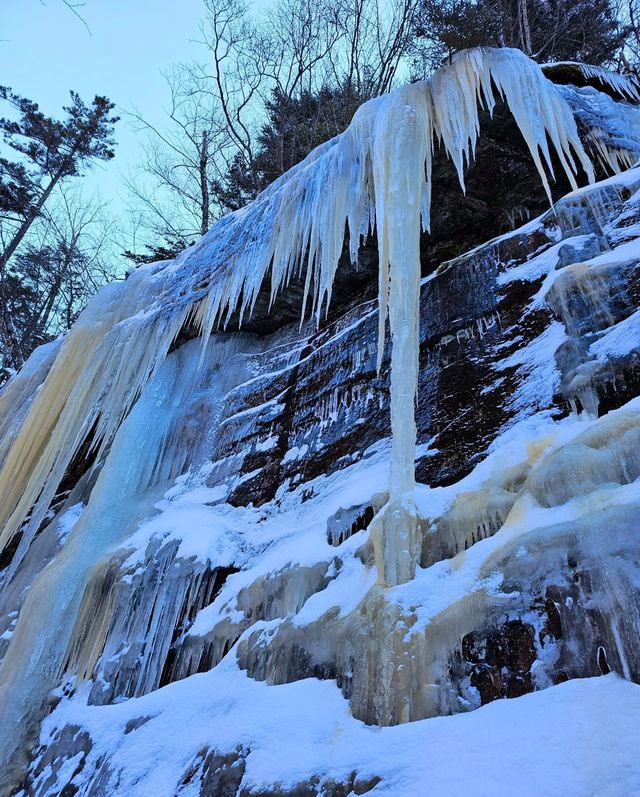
column 377, row 172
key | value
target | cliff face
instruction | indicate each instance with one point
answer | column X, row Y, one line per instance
column 242, row 573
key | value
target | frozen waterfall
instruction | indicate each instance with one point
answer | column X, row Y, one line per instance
column 375, row 176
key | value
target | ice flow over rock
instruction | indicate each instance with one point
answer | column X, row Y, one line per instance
column 375, row 176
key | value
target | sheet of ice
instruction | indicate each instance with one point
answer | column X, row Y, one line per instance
column 538, row 365
column 619, row 341
column 378, row 173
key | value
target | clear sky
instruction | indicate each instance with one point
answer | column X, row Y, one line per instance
column 45, row 51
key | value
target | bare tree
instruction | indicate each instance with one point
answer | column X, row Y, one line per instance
column 301, row 47
column 359, row 43
column 172, row 189
column 240, row 54
column 67, row 256
column 211, row 119
column 76, row 257
column 630, row 14
column 262, row 78
column 301, row 35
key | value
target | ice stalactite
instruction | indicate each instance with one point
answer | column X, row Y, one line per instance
column 377, row 174
column 97, row 375
column 610, row 127
column 399, row 139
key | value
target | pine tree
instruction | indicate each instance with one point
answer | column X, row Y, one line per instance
column 294, row 127
column 46, row 153
column 547, row 30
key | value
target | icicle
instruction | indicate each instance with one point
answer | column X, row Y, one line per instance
column 624, row 85
column 378, row 169
column 98, row 373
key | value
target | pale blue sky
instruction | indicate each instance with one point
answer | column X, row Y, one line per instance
column 45, row 51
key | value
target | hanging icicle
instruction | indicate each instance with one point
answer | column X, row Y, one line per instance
column 377, row 174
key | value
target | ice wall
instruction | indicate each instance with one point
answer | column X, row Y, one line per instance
column 150, row 448
column 290, row 410
column 378, row 173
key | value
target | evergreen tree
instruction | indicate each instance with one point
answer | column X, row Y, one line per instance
column 168, row 250
column 45, row 153
column 294, row 127
column 548, row 30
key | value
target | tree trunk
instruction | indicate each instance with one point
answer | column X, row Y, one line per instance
column 42, row 318
column 34, row 212
column 204, row 183
column 10, row 342
column 525, row 31
column 12, row 351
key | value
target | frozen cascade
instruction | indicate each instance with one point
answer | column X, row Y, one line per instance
column 610, row 126
column 376, row 174
column 528, row 566
column 148, row 451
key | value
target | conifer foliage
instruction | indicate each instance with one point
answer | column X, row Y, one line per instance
column 41, row 154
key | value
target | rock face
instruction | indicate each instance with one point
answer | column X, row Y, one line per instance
column 245, row 559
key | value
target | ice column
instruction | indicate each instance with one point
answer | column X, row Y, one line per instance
column 402, row 147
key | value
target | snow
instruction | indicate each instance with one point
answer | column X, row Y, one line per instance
column 578, row 738
column 296, row 534
column 68, row 520
column 548, row 743
column 539, row 265
column 204, row 533
column 625, row 85
column 343, row 593
column 297, row 452
column 536, row 361
column 620, row 340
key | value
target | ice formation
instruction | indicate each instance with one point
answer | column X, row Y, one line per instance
column 608, row 133
column 377, row 175
column 626, row 86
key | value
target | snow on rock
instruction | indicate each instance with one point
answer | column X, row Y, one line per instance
column 625, row 86
column 233, row 735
